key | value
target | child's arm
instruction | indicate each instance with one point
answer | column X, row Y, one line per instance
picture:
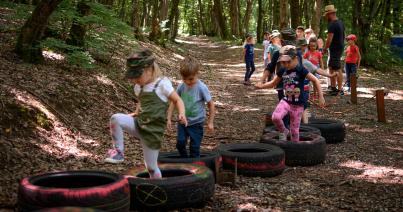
column 270, row 84
column 321, row 61
column 137, row 111
column 210, row 122
column 177, row 101
column 265, row 76
column 169, row 115
column 244, row 53
column 324, row 73
column 316, row 82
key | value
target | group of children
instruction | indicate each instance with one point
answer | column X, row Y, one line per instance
column 290, row 63
column 157, row 100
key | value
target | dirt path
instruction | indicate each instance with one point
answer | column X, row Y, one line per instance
column 363, row 173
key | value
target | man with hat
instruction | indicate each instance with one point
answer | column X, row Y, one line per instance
column 335, row 44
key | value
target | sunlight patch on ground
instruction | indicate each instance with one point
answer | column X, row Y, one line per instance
column 104, row 79
column 63, row 139
column 244, row 109
column 235, row 47
column 373, row 173
column 185, row 41
column 180, row 57
column 52, row 55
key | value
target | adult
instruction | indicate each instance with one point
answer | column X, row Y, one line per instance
column 309, row 34
column 300, row 32
column 335, row 44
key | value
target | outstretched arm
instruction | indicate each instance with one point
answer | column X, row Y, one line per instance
column 177, row 101
column 316, row 82
column 324, row 73
column 270, row 84
column 210, row 122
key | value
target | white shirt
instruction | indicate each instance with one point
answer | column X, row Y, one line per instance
column 163, row 91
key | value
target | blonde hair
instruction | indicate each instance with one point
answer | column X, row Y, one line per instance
column 249, row 37
column 156, row 71
column 189, row 67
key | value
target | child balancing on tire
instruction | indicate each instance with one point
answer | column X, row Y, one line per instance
column 148, row 122
column 292, row 74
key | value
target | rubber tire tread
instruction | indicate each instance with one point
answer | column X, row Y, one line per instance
column 303, row 153
column 274, row 156
column 111, row 197
column 208, row 160
column 334, row 131
column 302, row 129
column 181, row 191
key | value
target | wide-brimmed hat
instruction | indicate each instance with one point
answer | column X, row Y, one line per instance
column 287, row 53
column 289, row 37
column 274, row 34
column 136, row 63
column 301, row 42
column 329, row 9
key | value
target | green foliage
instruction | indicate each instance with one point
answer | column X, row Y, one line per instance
column 20, row 12
column 382, row 57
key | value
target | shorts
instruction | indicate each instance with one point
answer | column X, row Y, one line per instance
column 334, row 62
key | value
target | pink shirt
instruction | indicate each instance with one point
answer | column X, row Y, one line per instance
column 352, row 54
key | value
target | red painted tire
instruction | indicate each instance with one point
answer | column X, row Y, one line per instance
column 92, row 189
column 256, row 160
column 69, row 209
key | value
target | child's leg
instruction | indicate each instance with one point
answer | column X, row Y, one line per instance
column 295, row 120
column 348, row 74
column 196, row 136
column 181, row 140
column 252, row 64
column 281, row 110
column 121, row 122
column 150, row 159
column 248, row 67
column 286, row 119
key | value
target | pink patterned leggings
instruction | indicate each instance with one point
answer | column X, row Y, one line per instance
column 295, row 111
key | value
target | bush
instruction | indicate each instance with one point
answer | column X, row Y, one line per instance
column 382, row 56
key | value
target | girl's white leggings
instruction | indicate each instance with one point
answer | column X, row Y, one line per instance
column 120, row 123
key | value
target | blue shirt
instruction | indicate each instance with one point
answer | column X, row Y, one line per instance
column 293, row 84
column 194, row 98
column 249, row 53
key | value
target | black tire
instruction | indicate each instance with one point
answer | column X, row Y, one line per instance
column 302, row 129
column 256, row 160
column 92, row 189
column 182, row 186
column 206, row 159
column 332, row 130
column 311, row 149
column 69, row 209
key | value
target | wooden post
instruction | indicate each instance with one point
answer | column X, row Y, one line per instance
column 353, row 86
column 380, row 105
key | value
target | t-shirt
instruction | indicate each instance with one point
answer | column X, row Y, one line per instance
column 293, row 83
column 194, row 98
column 163, row 91
column 266, row 45
column 271, row 67
column 273, row 48
column 249, row 53
column 352, row 54
column 311, row 68
column 314, row 57
column 337, row 28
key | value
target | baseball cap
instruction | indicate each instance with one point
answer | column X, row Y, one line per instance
column 287, row 53
column 351, row 37
column 136, row 63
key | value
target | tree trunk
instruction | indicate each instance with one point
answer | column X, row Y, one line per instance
column 78, row 30
column 283, row 14
column 136, row 19
column 27, row 46
column 259, row 30
column 396, row 17
column 164, row 10
column 220, row 18
column 295, row 13
column 240, row 25
column 307, row 11
column 173, row 20
column 145, row 14
column 201, row 17
column 276, row 14
column 249, row 7
column 155, row 27
column 315, row 24
column 386, row 21
column 122, row 13
column 234, row 14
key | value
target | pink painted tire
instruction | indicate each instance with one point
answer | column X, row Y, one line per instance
column 255, row 160
column 91, row 189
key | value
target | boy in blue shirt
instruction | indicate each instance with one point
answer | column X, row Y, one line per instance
column 195, row 94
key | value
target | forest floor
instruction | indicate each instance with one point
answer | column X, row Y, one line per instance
column 54, row 117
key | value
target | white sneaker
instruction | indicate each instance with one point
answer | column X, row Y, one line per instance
column 283, row 136
column 115, row 156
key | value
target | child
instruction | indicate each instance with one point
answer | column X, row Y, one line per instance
column 292, row 74
column 248, row 55
column 300, row 32
column 313, row 55
column 275, row 43
column 266, row 45
column 148, row 122
column 353, row 58
column 194, row 94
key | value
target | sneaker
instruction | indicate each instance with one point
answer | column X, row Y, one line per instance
column 114, row 156
column 341, row 93
column 334, row 93
column 283, row 136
